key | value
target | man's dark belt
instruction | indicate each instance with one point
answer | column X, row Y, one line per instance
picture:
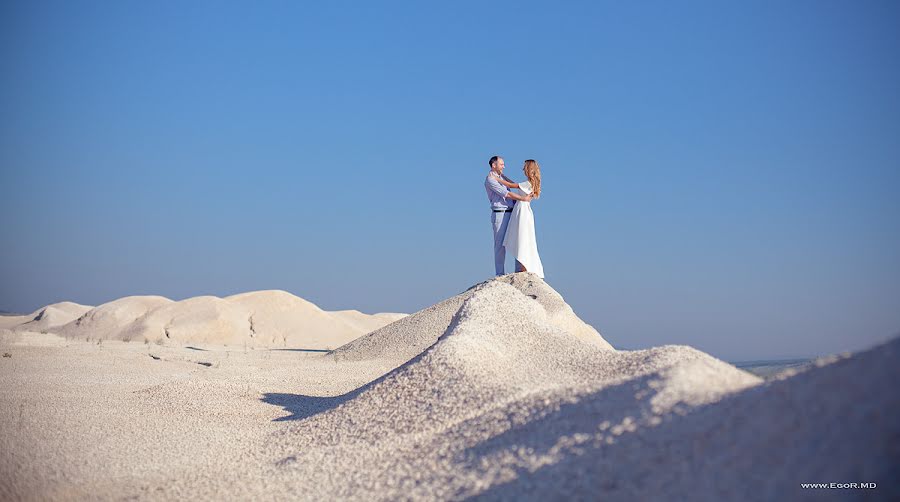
column 503, row 210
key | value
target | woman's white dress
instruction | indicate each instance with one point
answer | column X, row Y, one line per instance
column 520, row 241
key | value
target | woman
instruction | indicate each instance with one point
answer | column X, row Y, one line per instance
column 520, row 239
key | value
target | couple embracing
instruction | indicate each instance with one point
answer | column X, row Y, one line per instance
column 511, row 216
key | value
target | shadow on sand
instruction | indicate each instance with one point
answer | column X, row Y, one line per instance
column 301, row 407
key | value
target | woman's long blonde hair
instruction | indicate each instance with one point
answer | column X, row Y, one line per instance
column 533, row 173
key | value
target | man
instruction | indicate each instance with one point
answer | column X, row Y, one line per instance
column 502, row 201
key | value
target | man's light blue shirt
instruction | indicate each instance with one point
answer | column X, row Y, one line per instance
column 497, row 194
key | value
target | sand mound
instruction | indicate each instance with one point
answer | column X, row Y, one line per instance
column 405, row 338
column 506, row 404
column 255, row 319
column 501, row 345
column 201, row 319
column 52, row 316
column 281, row 318
column 835, row 423
column 502, row 360
column 106, row 321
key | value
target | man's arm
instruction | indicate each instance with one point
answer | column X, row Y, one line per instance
column 493, row 183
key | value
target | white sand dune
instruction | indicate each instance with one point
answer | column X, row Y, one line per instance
column 503, row 362
column 272, row 318
column 201, row 319
column 837, row 422
column 105, row 322
column 404, row 339
column 287, row 320
column 497, row 393
column 43, row 319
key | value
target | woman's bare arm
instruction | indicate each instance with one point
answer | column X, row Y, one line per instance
column 523, row 198
column 508, row 183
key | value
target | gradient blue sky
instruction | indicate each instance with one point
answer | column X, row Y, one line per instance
column 719, row 174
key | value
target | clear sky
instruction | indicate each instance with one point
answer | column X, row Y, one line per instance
column 719, row 174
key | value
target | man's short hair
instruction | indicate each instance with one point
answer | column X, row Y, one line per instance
column 494, row 160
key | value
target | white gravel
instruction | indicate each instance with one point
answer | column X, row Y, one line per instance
column 491, row 394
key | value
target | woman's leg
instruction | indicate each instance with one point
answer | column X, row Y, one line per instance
column 520, row 267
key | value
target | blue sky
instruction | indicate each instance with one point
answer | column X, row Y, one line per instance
column 717, row 174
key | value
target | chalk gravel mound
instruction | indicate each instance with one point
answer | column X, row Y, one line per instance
column 106, row 321
column 406, row 338
column 272, row 318
column 51, row 316
column 280, row 318
column 509, row 405
column 447, row 423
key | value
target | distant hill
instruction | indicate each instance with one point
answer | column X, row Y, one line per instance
column 272, row 318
